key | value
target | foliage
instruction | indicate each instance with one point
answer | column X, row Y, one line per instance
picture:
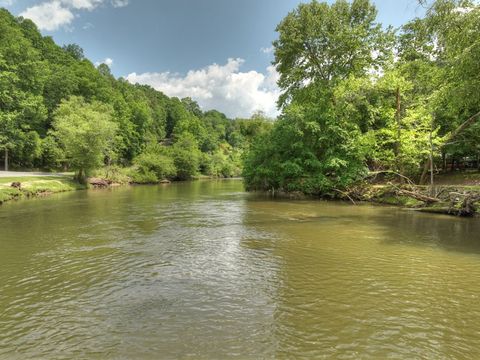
column 307, row 150
column 86, row 133
column 356, row 97
column 42, row 86
column 322, row 43
column 186, row 156
column 154, row 165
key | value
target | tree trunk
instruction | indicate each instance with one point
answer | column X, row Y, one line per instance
column 6, row 159
column 398, row 145
column 426, row 166
column 431, row 163
column 80, row 176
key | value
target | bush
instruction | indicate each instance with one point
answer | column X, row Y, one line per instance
column 148, row 177
column 155, row 164
column 115, row 174
column 186, row 156
column 52, row 154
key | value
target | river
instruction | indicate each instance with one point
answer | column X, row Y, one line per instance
column 203, row 270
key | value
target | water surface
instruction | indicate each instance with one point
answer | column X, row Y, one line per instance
column 203, row 270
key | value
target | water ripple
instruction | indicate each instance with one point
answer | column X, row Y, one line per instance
column 204, row 270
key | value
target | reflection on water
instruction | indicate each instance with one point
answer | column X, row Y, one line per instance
column 203, row 270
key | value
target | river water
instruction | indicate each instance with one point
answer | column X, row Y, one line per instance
column 203, row 270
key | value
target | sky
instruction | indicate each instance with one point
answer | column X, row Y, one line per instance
column 216, row 51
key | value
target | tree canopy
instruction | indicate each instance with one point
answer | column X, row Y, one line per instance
column 60, row 111
column 359, row 97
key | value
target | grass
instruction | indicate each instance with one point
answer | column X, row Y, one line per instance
column 467, row 178
column 36, row 186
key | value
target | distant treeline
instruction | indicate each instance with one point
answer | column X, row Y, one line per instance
column 60, row 112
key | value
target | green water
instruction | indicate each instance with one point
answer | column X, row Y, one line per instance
column 205, row 271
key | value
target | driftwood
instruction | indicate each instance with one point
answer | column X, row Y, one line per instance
column 418, row 196
column 347, row 195
column 465, row 207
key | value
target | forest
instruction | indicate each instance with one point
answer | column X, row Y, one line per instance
column 59, row 112
column 358, row 99
column 361, row 99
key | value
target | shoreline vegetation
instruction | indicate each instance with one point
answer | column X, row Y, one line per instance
column 449, row 199
column 456, row 200
column 373, row 113
column 367, row 113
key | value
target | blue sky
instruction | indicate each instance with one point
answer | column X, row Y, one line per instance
column 216, row 51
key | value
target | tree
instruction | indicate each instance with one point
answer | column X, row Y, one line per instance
column 21, row 84
column 74, row 51
column 37, row 75
column 154, row 164
column 316, row 145
column 321, row 43
column 86, row 132
column 9, row 135
column 192, row 106
column 186, row 156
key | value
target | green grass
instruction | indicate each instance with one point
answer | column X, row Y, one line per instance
column 467, row 178
column 36, row 186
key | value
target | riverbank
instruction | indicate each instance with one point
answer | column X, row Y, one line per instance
column 458, row 200
column 18, row 187
column 29, row 185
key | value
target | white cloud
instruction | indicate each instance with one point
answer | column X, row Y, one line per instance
column 82, row 4
column 54, row 14
column 88, row 26
column 106, row 61
column 267, row 50
column 49, row 16
column 119, row 3
column 221, row 87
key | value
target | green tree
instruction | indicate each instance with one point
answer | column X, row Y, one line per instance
column 154, row 164
column 316, row 145
column 86, row 132
column 321, row 43
column 186, row 156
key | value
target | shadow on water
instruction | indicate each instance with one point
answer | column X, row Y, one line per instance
column 443, row 231
column 401, row 226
